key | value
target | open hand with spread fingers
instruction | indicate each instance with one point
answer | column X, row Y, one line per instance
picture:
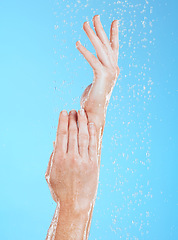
column 105, row 67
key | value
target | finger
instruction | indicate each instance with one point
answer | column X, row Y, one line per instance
column 97, row 44
column 83, row 133
column 73, row 132
column 92, row 150
column 100, row 31
column 103, row 37
column 114, row 38
column 62, row 132
column 91, row 59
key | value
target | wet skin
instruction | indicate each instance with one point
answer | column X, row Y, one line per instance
column 94, row 101
column 95, row 98
column 73, row 175
column 105, row 68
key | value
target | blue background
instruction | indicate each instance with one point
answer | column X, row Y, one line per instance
column 42, row 73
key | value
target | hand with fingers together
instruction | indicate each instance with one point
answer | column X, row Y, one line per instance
column 73, row 169
column 72, row 174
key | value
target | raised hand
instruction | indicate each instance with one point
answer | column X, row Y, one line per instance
column 105, row 68
column 72, row 172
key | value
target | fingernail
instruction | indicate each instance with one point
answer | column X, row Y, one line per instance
column 82, row 112
column 78, row 43
column 73, row 112
column 98, row 16
column 91, row 125
column 64, row 113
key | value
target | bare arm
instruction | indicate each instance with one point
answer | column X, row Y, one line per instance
column 67, row 225
column 72, row 176
column 71, row 225
column 96, row 96
column 94, row 100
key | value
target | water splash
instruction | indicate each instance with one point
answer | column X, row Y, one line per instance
column 128, row 116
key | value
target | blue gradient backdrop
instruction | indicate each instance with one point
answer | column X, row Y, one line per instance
column 41, row 73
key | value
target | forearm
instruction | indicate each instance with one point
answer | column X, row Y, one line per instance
column 99, row 121
column 97, row 116
column 95, row 100
column 52, row 229
column 68, row 225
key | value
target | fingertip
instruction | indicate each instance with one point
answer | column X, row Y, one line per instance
column 63, row 118
column 86, row 24
column 97, row 16
column 82, row 112
column 64, row 113
column 78, row 43
column 73, row 112
column 82, row 119
column 116, row 22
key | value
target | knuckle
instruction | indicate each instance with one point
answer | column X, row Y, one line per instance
column 74, row 158
column 62, row 131
column 93, row 147
column 86, row 165
column 84, row 24
column 84, row 137
column 83, row 122
column 82, row 147
column 83, row 150
column 94, row 59
column 60, row 156
column 73, row 131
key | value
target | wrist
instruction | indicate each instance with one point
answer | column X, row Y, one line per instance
column 73, row 221
column 71, row 224
column 96, row 115
column 69, row 211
